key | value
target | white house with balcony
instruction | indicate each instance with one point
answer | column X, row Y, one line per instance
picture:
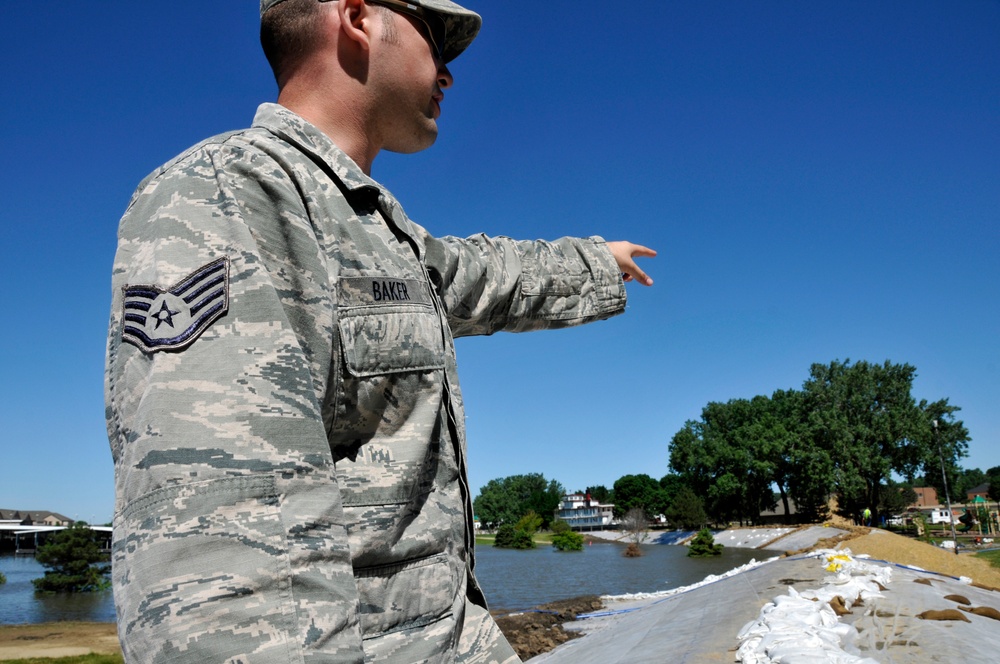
column 581, row 512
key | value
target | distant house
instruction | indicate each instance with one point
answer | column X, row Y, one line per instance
column 926, row 496
column 981, row 491
column 35, row 518
column 581, row 512
column 778, row 516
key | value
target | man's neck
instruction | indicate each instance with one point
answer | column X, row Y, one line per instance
column 340, row 124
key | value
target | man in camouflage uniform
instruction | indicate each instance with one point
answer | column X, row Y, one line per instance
column 282, row 397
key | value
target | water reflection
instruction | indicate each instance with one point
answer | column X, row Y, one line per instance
column 19, row 603
column 523, row 579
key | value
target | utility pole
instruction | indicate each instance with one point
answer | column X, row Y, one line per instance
column 944, row 478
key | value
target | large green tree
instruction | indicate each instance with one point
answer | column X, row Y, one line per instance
column 686, row 510
column 639, row 492
column 74, row 560
column 895, row 497
column 993, row 477
column 672, row 483
column 944, row 440
column 969, row 479
column 601, row 494
column 694, row 457
column 733, row 456
column 507, row 499
column 851, row 429
column 865, row 415
column 804, row 472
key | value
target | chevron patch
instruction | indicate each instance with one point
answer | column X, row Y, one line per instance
column 155, row 319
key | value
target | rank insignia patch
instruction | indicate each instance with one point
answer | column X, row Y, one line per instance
column 155, row 319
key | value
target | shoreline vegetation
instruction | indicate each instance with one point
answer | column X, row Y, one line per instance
column 530, row 632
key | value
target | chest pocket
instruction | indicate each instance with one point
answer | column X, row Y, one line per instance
column 393, row 354
column 388, row 326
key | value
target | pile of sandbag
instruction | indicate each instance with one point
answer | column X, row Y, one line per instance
column 805, row 627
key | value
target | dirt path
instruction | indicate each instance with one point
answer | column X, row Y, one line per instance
column 58, row 639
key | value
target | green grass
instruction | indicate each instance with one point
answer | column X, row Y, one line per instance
column 992, row 557
column 541, row 539
column 79, row 659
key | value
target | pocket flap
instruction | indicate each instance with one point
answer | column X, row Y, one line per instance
column 391, row 340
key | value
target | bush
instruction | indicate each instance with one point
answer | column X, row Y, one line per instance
column 567, row 541
column 529, row 523
column 3, row 579
column 509, row 537
column 505, row 537
column 559, row 526
column 523, row 540
column 704, row 545
column 72, row 556
column 632, row 551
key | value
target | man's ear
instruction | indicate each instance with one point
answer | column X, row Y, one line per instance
column 356, row 22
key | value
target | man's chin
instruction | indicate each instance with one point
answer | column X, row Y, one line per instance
column 415, row 143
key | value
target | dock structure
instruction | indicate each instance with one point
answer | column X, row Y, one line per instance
column 28, row 529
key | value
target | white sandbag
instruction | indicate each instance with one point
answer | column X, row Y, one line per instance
column 802, row 627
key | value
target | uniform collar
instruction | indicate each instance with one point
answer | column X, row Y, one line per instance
column 358, row 187
column 307, row 137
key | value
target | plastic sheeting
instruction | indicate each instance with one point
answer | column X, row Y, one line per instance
column 660, row 595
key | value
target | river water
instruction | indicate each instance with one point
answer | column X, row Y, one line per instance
column 515, row 579
column 20, row 604
column 511, row 579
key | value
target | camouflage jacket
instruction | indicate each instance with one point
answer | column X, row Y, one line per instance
column 283, row 405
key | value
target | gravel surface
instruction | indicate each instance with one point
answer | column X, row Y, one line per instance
column 888, row 546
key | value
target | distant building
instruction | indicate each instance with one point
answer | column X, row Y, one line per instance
column 581, row 512
column 983, row 491
column 778, row 516
column 35, row 518
column 926, row 496
column 24, row 530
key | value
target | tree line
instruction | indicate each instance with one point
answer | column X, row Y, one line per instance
column 853, row 431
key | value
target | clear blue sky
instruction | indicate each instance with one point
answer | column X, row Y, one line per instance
column 822, row 181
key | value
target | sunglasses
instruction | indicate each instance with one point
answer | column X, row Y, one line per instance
column 432, row 21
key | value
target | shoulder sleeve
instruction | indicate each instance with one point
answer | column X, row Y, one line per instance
column 229, row 536
column 492, row 284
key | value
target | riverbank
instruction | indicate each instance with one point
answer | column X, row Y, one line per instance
column 540, row 630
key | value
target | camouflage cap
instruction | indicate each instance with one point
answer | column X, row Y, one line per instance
column 460, row 24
